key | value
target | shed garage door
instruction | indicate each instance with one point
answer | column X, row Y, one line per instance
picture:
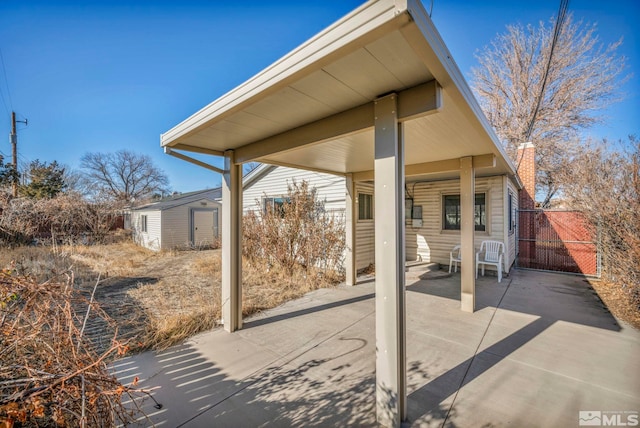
column 203, row 228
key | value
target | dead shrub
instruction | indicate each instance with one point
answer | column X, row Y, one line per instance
column 50, row 372
column 298, row 234
column 66, row 218
column 604, row 184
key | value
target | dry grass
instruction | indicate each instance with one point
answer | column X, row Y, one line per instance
column 265, row 288
column 177, row 309
column 118, row 259
column 162, row 298
column 182, row 304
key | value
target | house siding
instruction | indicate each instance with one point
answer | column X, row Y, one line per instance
column 365, row 232
column 430, row 243
column 152, row 237
column 330, row 188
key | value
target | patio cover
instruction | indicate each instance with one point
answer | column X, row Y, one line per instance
column 375, row 96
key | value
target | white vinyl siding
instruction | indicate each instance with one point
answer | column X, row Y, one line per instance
column 365, row 245
column 430, row 243
column 151, row 238
column 330, row 188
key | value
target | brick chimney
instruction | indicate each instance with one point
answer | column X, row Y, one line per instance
column 526, row 164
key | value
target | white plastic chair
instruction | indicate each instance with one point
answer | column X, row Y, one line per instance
column 455, row 257
column 491, row 253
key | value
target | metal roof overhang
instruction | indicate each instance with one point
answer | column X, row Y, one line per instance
column 313, row 109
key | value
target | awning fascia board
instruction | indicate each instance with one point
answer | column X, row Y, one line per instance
column 412, row 103
column 306, row 168
column 436, row 167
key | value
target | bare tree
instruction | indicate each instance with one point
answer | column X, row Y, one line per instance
column 604, row 183
column 546, row 85
column 123, row 176
column 249, row 166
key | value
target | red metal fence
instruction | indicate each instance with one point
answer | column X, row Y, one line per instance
column 562, row 241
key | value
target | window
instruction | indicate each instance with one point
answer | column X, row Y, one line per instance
column 274, row 205
column 365, row 206
column 143, row 223
column 216, row 222
column 451, row 212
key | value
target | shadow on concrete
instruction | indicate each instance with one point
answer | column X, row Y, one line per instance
column 331, row 382
column 192, row 384
column 256, row 322
column 569, row 300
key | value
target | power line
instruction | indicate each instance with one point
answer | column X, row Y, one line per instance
column 562, row 14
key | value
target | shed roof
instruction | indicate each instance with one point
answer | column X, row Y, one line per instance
column 172, row 201
column 313, row 108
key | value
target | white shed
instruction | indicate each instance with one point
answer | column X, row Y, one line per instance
column 181, row 221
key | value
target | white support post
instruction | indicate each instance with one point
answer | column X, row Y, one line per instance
column 231, row 244
column 467, row 235
column 389, row 256
column 350, row 230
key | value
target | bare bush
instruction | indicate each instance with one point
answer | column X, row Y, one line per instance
column 50, row 372
column 66, row 218
column 604, row 183
column 300, row 233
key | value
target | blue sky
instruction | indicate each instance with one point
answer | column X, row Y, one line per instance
column 100, row 76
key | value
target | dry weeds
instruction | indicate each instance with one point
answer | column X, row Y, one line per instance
column 50, row 371
column 120, row 259
column 617, row 300
column 158, row 299
column 177, row 309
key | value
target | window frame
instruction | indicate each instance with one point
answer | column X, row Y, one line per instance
column 144, row 223
column 369, row 213
column 480, row 228
column 271, row 202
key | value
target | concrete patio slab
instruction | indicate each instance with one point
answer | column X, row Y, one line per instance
column 539, row 349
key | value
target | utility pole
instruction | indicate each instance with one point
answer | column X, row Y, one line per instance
column 14, row 150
